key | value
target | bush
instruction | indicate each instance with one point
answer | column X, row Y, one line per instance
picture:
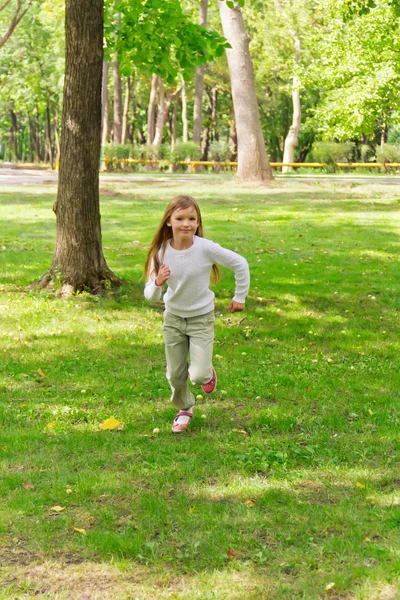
column 394, row 135
column 332, row 153
column 219, row 151
column 389, row 153
column 185, row 151
column 367, row 153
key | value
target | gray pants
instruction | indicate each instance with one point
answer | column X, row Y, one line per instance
column 194, row 336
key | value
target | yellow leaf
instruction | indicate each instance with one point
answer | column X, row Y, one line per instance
column 370, row 412
column 243, row 431
column 83, row 531
column 40, row 372
column 360, row 485
column 51, row 425
column 330, row 586
column 192, row 509
column 250, row 503
column 57, row 508
column 111, row 424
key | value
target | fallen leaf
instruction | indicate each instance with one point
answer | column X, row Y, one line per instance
column 241, row 431
column 27, row 485
column 57, row 509
column 40, row 372
column 250, row 503
column 360, row 485
column 231, row 553
column 370, row 412
column 51, row 425
column 111, row 424
column 330, row 586
column 83, row 531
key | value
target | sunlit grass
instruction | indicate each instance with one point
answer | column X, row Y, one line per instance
column 288, row 480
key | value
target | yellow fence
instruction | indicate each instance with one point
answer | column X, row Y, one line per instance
column 212, row 163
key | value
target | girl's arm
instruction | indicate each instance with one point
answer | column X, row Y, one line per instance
column 238, row 264
column 152, row 291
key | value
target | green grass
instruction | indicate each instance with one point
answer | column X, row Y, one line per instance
column 288, row 480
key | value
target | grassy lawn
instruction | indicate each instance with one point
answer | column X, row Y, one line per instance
column 288, row 483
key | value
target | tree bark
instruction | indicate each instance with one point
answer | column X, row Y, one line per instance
column 292, row 138
column 117, row 127
column 49, row 143
column 164, row 102
column 19, row 13
column 253, row 164
column 105, row 108
column 78, row 258
column 37, row 136
column 198, row 94
column 151, row 111
column 30, row 137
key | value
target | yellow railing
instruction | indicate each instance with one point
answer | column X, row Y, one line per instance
column 213, row 163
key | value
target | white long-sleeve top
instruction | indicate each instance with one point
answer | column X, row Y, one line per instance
column 188, row 293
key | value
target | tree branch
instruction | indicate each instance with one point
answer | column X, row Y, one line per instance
column 18, row 15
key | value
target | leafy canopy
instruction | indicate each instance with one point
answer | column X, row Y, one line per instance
column 157, row 36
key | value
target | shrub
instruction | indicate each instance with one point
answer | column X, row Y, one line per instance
column 332, row 153
column 185, row 151
column 219, row 151
column 388, row 153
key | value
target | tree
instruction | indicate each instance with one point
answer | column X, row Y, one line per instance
column 18, row 13
column 198, row 97
column 253, row 164
column 78, row 257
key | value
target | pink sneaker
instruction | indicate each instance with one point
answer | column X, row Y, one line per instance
column 210, row 385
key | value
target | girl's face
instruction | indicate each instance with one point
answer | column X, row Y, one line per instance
column 184, row 223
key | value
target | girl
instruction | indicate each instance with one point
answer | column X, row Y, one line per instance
column 183, row 259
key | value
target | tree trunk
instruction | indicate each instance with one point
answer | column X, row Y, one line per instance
column 37, row 135
column 117, row 127
column 57, row 138
column 105, row 108
column 78, row 258
column 164, row 102
column 127, row 99
column 14, row 136
column 214, row 113
column 292, row 138
column 49, row 143
column 151, row 111
column 30, row 137
column 184, row 112
column 232, row 141
column 253, row 164
column 198, row 94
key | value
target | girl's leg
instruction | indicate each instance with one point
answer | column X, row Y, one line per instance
column 201, row 341
column 176, row 352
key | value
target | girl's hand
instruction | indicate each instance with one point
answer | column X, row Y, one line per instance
column 236, row 306
column 163, row 275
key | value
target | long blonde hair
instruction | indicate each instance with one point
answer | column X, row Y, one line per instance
column 164, row 233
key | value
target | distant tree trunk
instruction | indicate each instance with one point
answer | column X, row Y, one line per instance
column 131, row 127
column 37, row 136
column 30, row 138
column 127, row 100
column 117, row 127
column 49, row 143
column 214, row 113
column 105, row 108
column 174, row 128
column 14, row 134
column 164, row 102
column 198, row 94
column 19, row 12
column 184, row 112
column 78, row 258
column 151, row 111
column 232, row 141
column 292, row 138
column 57, row 138
column 253, row 164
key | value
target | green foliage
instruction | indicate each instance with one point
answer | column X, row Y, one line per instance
column 219, row 151
column 158, row 37
column 388, row 153
column 184, row 151
column 332, row 152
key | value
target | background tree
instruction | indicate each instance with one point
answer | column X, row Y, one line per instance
column 253, row 162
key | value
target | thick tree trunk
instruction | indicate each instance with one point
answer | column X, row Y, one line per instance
column 164, row 102
column 105, row 108
column 117, row 127
column 151, row 111
column 78, row 259
column 292, row 138
column 253, row 164
column 198, row 94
